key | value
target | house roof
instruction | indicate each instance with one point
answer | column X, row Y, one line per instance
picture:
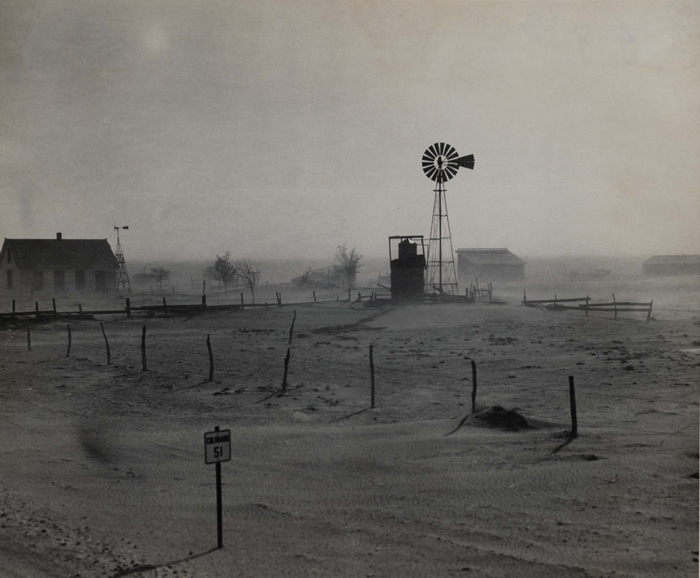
column 490, row 257
column 673, row 260
column 59, row 254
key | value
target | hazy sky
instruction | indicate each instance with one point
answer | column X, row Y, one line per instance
column 285, row 128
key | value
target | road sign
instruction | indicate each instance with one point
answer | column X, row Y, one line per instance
column 217, row 446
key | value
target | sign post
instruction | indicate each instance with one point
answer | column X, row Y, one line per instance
column 217, row 449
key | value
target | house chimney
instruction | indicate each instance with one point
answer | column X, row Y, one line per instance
column 59, row 236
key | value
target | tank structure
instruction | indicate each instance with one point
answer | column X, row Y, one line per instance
column 407, row 260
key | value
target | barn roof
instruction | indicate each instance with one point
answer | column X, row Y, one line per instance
column 490, row 257
column 59, row 254
column 673, row 260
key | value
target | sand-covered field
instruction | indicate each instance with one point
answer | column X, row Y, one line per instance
column 103, row 468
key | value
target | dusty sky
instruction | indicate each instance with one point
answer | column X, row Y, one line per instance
column 286, row 128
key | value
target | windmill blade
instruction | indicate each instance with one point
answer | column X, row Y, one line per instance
column 435, row 150
column 452, row 163
column 430, row 172
column 466, row 162
column 451, row 153
column 451, row 172
column 443, row 148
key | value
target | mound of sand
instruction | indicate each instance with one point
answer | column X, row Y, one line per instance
column 502, row 418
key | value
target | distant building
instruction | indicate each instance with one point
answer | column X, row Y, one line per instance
column 323, row 277
column 489, row 265
column 668, row 265
column 55, row 266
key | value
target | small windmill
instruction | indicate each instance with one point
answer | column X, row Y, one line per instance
column 440, row 163
column 123, row 283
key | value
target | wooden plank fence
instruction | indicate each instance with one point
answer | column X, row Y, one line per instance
column 614, row 306
column 165, row 307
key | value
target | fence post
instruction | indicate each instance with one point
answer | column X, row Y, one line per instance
column 69, row 342
column 80, row 308
column 211, row 360
column 36, row 308
column 615, row 305
column 106, row 342
column 242, row 302
column 143, row 349
column 13, row 308
column 53, row 302
column 473, row 386
column 128, row 307
column 572, row 402
column 291, row 329
column 587, row 299
column 286, row 369
column 649, row 314
column 314, row 296
column 165, row 308
column 29, row 340
column 371, row 372
column 524, row 296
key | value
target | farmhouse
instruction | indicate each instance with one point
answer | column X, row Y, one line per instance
column 489, row 265
column 56, row 266
column 667, row 265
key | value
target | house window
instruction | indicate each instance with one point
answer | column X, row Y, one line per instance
column 59, row 280
column 80, row 279
column 38, row 281
column 10, row 285
column 100, row 281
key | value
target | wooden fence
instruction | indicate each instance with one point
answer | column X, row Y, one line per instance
column 614, row 306
column 128, row 309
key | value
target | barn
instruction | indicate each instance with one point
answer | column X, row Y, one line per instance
column 489, row 265
column 56, row 266
column 669, row 265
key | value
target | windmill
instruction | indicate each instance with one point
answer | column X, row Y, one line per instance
column 123, row 283
column 440, row 163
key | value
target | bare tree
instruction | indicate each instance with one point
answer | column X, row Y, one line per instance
column 249, row 274
column 210, row 273
column 161, row 275
column 224, row 271
column 347, row 264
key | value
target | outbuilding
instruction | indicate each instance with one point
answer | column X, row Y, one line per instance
column 669, row 265
column 57, row 266
column 489, row 265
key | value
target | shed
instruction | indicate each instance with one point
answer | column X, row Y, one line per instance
column 489, row 265
column 669, row 265
column 55, row 266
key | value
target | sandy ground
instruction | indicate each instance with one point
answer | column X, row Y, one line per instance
column 103, row 469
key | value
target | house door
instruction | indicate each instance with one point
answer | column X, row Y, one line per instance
column 100, row 282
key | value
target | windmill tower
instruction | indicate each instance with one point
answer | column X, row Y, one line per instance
column 123, row 283
column 440, row 163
